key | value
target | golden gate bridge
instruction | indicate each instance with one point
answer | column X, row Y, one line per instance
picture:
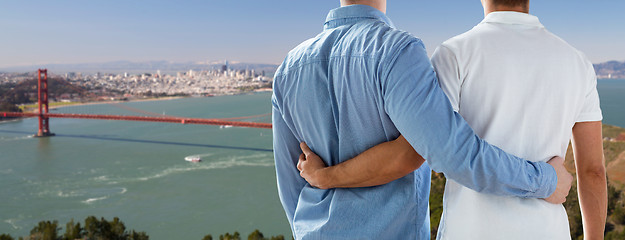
column 44, row 115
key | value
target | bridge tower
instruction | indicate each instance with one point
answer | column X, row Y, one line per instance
column 44, row 123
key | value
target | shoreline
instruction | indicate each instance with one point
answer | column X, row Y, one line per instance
column 94, row 103
column 77, row 104
column 118, row 101
column 156, row 99
column 10, row 120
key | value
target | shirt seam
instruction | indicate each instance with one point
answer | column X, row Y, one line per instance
column 393, row 58
column 461, row 75
column 290, row 68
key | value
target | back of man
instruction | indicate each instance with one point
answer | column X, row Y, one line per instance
column 327, row 93
column 516, row 84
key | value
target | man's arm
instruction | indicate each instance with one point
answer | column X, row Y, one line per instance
column 285, row 150
column 378, row 165
column 367, row 169
column 422, row 113
column 591, row 177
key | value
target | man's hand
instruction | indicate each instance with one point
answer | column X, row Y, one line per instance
column 311, row 168
column 379, row 165
column 564, row 181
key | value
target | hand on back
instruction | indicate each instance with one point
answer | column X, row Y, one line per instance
column 564, row 181
column 311, row 166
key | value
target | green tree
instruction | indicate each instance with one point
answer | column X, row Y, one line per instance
column 575, row 214
column 619, row 215
column 227, row 236
column 615, row 235
column 8, row 107
column 436, row 202
column 6, row 237
column 106, row 230
column 45, row 230
column 117, row 228
column 256, row 235
column 92, row 227
column 103, row 229
column 208, row 237
column 72, row 231
column 137, row 236
column 614, row 196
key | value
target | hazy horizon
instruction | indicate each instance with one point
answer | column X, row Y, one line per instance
column 44, row 65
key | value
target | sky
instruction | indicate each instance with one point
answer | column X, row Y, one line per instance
column 38, row 32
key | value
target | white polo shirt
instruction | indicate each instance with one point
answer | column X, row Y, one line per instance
column 522, row 89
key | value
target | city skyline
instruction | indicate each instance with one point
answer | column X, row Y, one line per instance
column 71, row 32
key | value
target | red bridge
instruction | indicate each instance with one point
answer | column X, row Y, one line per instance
column 44, row 114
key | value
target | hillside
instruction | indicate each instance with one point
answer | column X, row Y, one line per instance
column 611, row 69
column 614, row 151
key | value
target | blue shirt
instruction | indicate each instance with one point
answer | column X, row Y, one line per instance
column 359, row 83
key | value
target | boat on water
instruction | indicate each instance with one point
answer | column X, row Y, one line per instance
column 225, row 126
column 193, row 159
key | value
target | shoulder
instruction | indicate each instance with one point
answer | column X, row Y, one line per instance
column 395, row 51
column 395, row 41
column 368, row 39
column 372, row 39
column 467, row 40
column 567, row 47
column 388, row 44
column 392, row 35
column 452, row 50
column 294, row 56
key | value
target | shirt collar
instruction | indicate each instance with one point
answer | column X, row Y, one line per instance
column 354, row 13
column 516, row 18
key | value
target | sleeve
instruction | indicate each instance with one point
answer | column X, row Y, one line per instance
column 446, row 67
column 286, row 152
column 422, row 113
column 591, row 110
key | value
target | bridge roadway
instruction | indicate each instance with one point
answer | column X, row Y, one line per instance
column 202, row 121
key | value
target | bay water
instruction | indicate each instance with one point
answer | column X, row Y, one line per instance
column 136, row 170
column 612, row 97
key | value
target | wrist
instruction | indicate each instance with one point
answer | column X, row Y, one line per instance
column 325, row 178
column 548, row 180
